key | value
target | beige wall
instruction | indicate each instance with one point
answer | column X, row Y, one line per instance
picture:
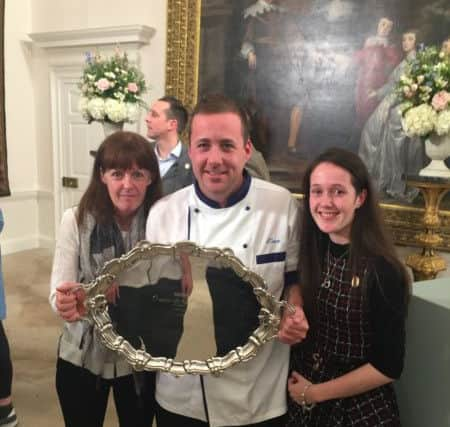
column 29, row 211
column 21, row 209
column 75, row 15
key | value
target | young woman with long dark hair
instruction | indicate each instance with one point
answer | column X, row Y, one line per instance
column 355, row 292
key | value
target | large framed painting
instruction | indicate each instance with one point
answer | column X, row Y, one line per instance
column 314, row 74
column 4, row 184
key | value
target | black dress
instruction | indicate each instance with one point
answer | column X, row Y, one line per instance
column 351, row 331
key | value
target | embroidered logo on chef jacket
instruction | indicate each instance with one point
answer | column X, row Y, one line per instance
column 272, row 240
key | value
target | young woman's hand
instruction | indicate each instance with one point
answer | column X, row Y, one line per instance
column 298, row 387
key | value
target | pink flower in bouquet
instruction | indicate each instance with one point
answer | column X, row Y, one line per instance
column 440, row 100
column 103, row 84
column 132, row 87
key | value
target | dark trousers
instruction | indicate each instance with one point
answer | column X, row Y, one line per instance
column 169, row 419
column 83, row 397
column 6, row 372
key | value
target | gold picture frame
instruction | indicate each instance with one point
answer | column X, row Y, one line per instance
column 182, row 77
column 4, row 183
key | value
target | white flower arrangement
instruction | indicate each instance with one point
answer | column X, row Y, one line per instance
column 442, row 125
column 424, row 92
column 420, row 120
column 111, row 89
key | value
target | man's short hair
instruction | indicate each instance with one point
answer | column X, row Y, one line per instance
column 176, row 111
column 216, row 103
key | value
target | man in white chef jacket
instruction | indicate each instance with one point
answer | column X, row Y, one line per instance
column 258, row 220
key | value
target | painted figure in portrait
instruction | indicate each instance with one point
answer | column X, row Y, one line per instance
column 318, row 73
column 385, row 148
column 273, row 48
column 375, row 61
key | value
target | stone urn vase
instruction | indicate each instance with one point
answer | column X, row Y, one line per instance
column 437, row 148
column 110, row 127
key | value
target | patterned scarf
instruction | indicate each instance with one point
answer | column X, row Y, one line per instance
column 101, row 243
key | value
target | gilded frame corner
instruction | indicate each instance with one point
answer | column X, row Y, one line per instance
column 4, row 182
column 182, row 75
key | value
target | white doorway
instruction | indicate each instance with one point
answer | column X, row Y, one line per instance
column 74, row 142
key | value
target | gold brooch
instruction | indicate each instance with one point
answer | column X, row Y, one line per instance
column 355, row 281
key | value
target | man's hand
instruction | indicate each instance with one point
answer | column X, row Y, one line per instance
column 187, row 283
column 70, row 301
column 293, row 326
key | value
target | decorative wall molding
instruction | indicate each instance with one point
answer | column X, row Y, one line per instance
column 44, row 194
column 25, row 243
column 65, row 49
column 139, row 34
column 29, row 195
column 30, row 237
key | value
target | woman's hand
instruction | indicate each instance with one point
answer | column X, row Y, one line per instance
column 112, row 294
column 70, row 301
column 296, row 388
column 355, row 382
